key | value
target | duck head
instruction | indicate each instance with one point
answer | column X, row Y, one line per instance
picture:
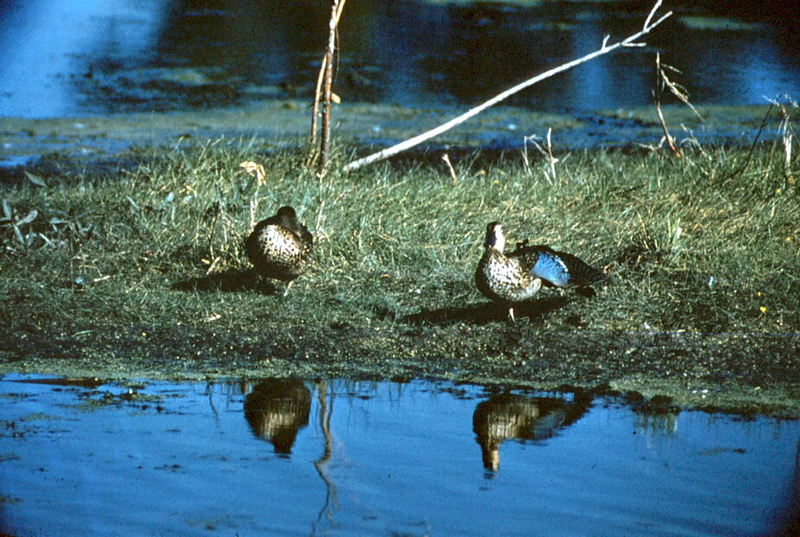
column 494, row 237
column 287, row 215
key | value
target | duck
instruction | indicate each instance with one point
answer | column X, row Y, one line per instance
column 280, row 247
column 516, row 277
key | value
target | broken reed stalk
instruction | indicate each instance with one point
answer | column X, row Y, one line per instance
column 315, row 111
column 661, row 81
column 453, row 174
column 604, row 49
column 325, row 146
column 786, row 131
column 546, row 152
column 324, row 93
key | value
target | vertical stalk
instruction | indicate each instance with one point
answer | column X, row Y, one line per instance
column 325, row 148
column 315, row 111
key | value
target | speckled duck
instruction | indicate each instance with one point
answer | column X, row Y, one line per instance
column 518, row 276
column 280, row 247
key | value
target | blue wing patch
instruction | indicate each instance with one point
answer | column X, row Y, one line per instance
column 549, row 267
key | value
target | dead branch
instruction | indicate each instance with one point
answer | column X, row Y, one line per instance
column 326, row 91
column 661, row 81
column 317, row 99
column 323, row 92
column 605, row 48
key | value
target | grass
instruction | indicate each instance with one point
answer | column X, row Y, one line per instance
column 703, row 243
column 151, row 260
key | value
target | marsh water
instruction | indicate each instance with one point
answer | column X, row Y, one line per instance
column 83, row 57
column 93, row 80
column 343, row 457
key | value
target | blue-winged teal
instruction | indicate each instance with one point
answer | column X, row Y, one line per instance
column 518, row 276
column 280, row 247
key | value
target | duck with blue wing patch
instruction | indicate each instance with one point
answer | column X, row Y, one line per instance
column 518, row 276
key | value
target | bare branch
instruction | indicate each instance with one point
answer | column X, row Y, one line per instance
column 323, row 93
column 411, row 142
column 650, row 16
column 327, row 87
column 315, row 111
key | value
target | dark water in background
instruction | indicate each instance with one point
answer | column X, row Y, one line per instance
column 286, row 457
column 88, row 57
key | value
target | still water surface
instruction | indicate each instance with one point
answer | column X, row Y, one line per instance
column 88, row 57
column 286, row 457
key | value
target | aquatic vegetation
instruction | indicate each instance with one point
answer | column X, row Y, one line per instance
column 720, row 24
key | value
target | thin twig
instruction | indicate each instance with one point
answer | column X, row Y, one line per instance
column 550, row 158
column 547, row 152
column 651, row 15
column 659, row 89
column 676, row 89
column 753, row 146
column 254, row 168
column 604, row 49
column 787, row 137
column 667, row 136
column 317, row 99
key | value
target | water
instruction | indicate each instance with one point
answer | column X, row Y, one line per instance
column 86, row 57
column 381, row 458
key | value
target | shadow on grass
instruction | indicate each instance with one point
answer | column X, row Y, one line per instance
column 487, row 312
column 231, row 281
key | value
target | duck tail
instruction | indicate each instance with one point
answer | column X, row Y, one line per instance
column 581, row 273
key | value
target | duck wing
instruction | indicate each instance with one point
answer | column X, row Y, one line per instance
column 559, row 269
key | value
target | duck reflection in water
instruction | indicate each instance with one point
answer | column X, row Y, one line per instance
column 276, row 410
column 510, row 416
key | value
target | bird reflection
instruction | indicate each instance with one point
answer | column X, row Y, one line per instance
column 276, row 410
column 509, row 416
column 659, row 424
column 657, row 415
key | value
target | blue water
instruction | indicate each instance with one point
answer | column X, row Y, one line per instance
column 89, row 57
column 368, row 458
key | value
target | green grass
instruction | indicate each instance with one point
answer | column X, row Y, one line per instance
column 702, row 243
column 148, row 264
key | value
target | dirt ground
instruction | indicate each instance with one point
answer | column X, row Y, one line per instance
column 732, row 372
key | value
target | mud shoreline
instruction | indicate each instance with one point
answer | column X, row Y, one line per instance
column 739, row 373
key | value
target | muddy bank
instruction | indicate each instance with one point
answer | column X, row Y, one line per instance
column 734, row 372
